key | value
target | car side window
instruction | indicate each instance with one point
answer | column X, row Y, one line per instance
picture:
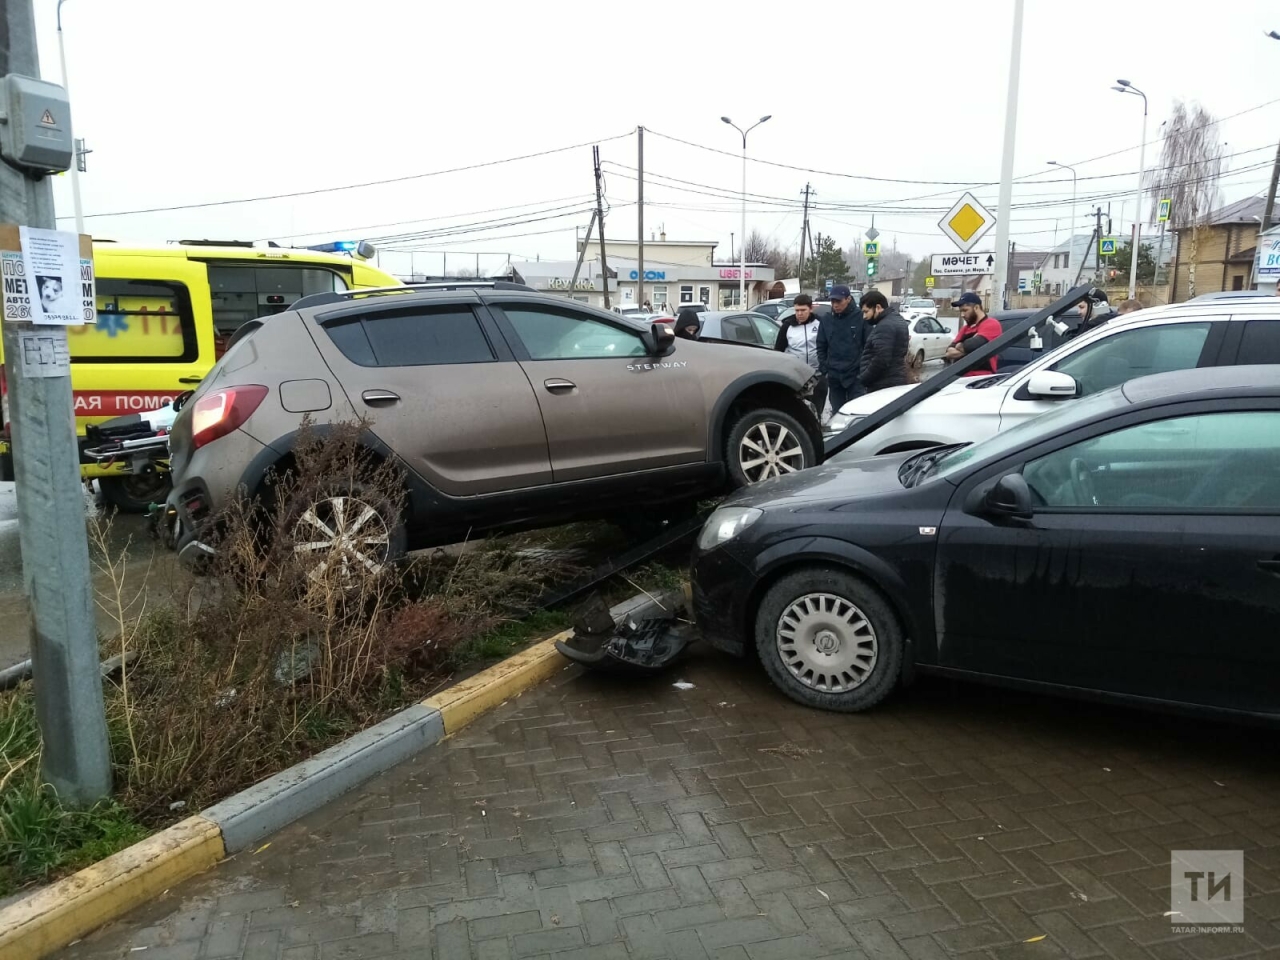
column 413, row 338
column 767, row 330
column 937, row 327
column 1192, row 464
column 1140, row 352
column 740, row 330
column 550, row 333
column 922, row 326
column 1261, row 342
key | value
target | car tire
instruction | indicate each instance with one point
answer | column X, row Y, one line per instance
column 135, row 492
column 356, row 509
column 825, row 608
column 763, row 433
column 918, row 362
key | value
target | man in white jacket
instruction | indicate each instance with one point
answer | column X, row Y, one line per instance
column 798, row 336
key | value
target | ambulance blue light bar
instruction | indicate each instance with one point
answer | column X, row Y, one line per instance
column 353, row 248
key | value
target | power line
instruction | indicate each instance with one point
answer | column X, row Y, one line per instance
column 947, row 183
column 357, row 186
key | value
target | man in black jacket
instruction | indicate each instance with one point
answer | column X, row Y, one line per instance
column 840, row 336
column 884, row 355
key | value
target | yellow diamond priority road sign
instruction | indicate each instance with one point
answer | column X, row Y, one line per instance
column 967, row 222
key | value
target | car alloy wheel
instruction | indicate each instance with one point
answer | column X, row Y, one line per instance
column 346, row 534
column 827, row 643
column 769, row 450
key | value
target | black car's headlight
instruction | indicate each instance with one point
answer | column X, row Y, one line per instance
column 725, row 524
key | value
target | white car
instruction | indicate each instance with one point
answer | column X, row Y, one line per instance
column 1179, row 337
column 929, row 340
column 918, row 307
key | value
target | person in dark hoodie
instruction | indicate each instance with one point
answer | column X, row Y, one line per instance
column 840, row 338
column 687, row 326
column 798, row 336
column 883, row 362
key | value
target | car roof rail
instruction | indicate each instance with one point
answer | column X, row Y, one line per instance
column 426, row 286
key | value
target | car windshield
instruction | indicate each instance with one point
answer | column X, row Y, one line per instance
column 921, row 303
column 1025, row 433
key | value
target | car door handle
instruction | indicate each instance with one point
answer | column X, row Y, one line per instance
column 190, row 379
column 559, row 386
column 1270, row 566
column 379, row 396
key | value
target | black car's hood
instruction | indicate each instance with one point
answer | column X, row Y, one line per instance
column 847, row 482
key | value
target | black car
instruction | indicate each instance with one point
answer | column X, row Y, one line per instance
column 1124, row 546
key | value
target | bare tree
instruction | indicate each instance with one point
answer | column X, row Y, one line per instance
column 463, row 273
column 760, row 249
column 1190, row 165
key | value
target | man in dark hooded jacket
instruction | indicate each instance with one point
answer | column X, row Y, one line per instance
column 884, row 354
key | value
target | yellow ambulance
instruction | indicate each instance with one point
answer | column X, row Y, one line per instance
column 164, row 316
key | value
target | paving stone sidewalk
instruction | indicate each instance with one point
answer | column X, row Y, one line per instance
column 596, row 818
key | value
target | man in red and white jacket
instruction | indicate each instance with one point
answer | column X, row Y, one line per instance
column 976, row 331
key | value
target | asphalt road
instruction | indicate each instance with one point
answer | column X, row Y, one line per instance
column 126, row 538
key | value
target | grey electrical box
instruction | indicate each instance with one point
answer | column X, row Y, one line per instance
column 36, row 128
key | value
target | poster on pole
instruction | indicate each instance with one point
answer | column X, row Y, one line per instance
column 53, row 269
column 44, row 353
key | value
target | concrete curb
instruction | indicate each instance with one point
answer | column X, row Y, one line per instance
column 51, row 918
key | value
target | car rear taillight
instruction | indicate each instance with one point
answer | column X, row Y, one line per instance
column 218, row 413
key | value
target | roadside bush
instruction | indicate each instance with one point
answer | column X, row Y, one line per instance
column 287, row 645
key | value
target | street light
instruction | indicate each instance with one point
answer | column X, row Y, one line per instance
column 1072, row 245
column 742, row 267
column 1124, row 86
column 1273, row 35
column 75, row 165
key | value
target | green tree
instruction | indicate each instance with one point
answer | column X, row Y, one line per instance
column 917, row 278
column 827, row 264
column 1146, row 262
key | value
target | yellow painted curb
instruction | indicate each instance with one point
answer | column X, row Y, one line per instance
column 463, row 702
column 51, row 918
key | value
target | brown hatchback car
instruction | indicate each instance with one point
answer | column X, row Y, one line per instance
column 505, row 409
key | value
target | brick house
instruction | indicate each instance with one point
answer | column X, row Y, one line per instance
column 1224, row 250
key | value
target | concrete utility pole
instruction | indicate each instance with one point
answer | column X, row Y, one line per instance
column 604, row 265
column 75, row 759
column 804, row 230
column 640, row 215
column 1006, row 166
column 1271, row 192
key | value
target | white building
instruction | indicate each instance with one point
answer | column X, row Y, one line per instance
column 1061, row 265
column 678, row 272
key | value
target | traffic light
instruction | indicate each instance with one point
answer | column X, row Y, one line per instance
column 871, row 268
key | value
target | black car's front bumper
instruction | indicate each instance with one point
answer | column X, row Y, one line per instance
column 722, row 590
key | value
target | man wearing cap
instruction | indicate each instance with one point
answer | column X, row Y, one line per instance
column 976, row 331
column 840, row 337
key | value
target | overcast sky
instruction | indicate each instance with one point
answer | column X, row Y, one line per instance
column 189, row 103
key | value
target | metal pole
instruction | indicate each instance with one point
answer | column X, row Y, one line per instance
column 75, row 757
column 742, row 247
column 804, row 228
column 1006, row 166
column 1271, row 192
column 1137, row 199
column 640, row 215
column 75, row 165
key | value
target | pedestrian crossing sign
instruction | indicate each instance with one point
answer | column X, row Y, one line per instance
column 1165, row 206
column 928, row 282
column 1107, row 247
column 871, row 248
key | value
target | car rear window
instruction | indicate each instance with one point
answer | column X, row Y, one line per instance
column 1261, row 342
column 413, row 338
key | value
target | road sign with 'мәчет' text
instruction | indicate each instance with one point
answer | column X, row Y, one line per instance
column 962, row 264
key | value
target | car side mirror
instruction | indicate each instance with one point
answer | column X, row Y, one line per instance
column 1052, row 385
column 1010, row 497
column 660, row 340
